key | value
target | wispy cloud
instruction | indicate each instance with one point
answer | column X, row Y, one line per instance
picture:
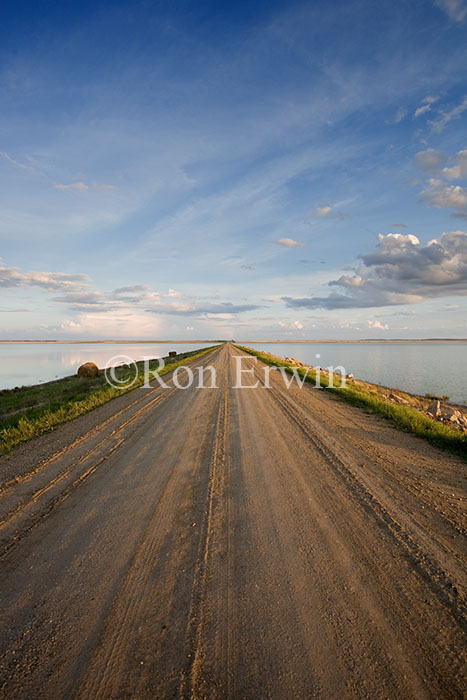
column 425, row 106
column 439, row 124
column 456, row 9
column 82, row 187
column 11, row 160
column 102, row 188
column 49, row 281
column 133, row 289
column 73, row 186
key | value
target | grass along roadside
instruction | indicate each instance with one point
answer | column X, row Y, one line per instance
column 406, row 418
column 30, row 411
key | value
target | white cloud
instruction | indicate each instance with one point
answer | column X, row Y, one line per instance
column 456, row 9
column 440, row 194
column 439, row 124
column 430, row 161
column 133, row 289
column 425, row 106
column 400, row 270
column 400, row 114
column 113, row 324
column 323, row 211
column 50, row 281
column 421, row 110
column 102, row 188
column 15, row 162
column 69, row 325
column 379, row 325
column 458, row 171
column 289, row 243
column 292, row 325
column 72, row 186
column 81, row 186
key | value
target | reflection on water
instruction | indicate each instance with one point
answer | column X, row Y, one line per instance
column 438, row 368
column 34, row 363
column 420, row 368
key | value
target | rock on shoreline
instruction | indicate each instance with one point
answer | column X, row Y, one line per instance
column 453, row 416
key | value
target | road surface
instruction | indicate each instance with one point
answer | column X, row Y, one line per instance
column 246, row 544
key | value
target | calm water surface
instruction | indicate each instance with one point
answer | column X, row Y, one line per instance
column 34, row 363
column 420, row 368
column 438, row 368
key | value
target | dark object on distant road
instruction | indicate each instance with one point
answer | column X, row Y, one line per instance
column 172, row 353
column 89, row 369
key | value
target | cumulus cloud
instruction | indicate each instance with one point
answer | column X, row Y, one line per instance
column 113, row 324
column 439, row 124
column 378, row 325
column 459, row 170
column 289, row 243
column 438, row 191
column 440, row 194
column 399, row 271
column 430, row 161
column 456, row 9
column 291, row 325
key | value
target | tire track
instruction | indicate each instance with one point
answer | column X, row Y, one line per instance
column 23, row 516
column 138, row 589
column 193, row 636
column 428, row 566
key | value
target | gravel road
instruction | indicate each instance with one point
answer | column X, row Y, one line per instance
column 247, row 544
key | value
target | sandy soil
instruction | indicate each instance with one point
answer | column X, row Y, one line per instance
column 244, row 544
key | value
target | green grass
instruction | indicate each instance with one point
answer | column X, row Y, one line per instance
column 404, row 418
column 27, row 412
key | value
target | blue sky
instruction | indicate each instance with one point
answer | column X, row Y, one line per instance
column 253, row 170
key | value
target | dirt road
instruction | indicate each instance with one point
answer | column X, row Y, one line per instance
column 246, row 544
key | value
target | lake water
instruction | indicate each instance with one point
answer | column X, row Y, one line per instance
column 34, row 363
column 437, row 368
column 419, row 368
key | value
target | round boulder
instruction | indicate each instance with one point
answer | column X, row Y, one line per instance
column 89, row 369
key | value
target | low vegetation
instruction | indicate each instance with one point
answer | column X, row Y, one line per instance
column 406, row 418
column 26, row 412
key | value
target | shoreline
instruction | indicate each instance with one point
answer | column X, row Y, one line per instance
column 428, row 417
column 203, row 342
